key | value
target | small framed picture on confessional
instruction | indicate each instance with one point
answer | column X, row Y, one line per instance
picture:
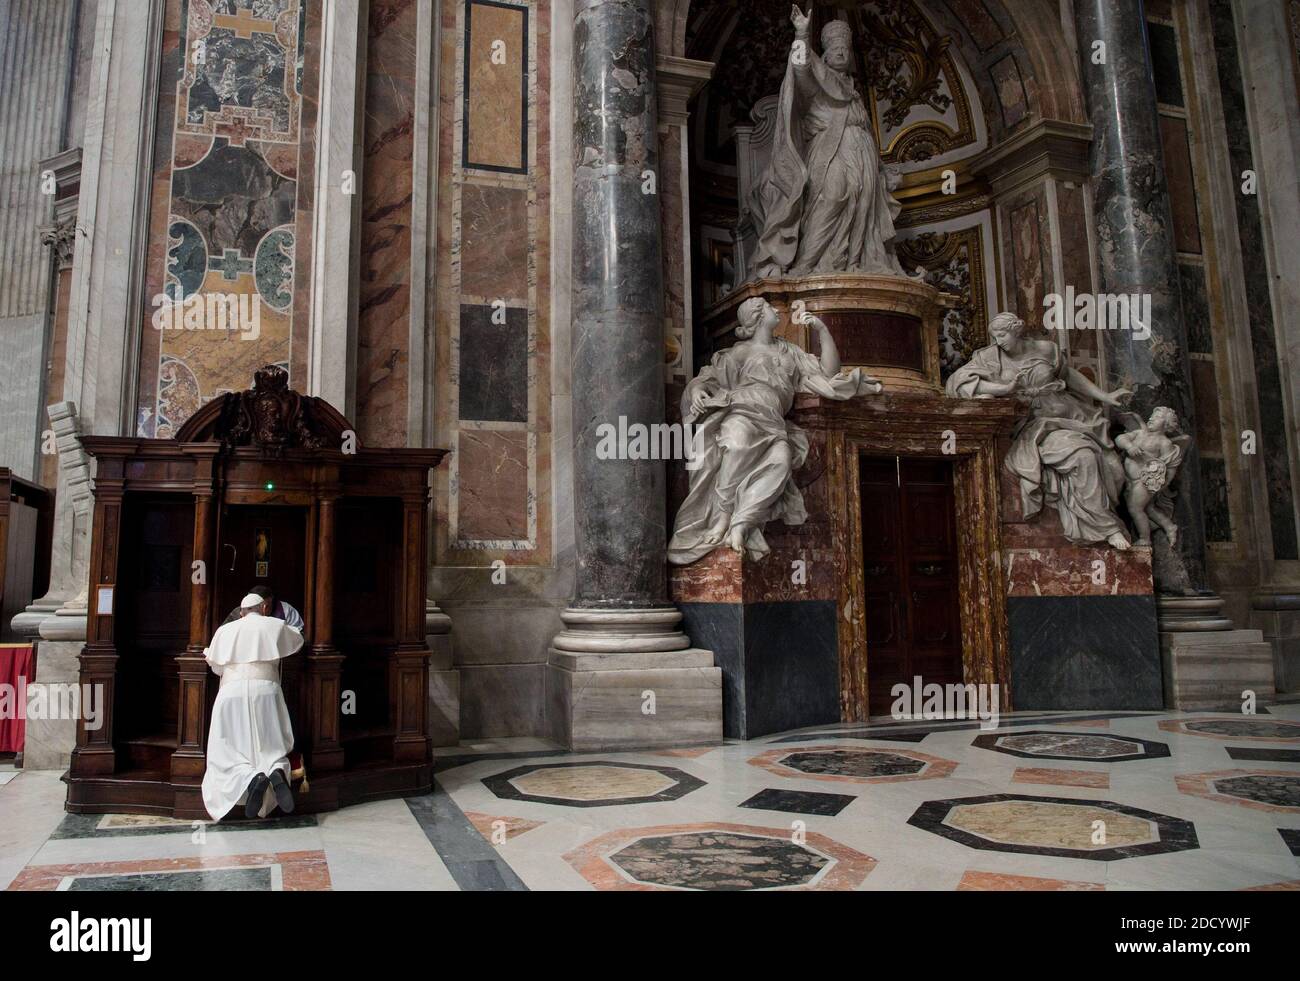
column 261, row 553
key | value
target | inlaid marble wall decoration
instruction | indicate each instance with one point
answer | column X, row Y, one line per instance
column 492, row 348
column 230, row 215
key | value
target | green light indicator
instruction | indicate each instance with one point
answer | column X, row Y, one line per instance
column 270, row 486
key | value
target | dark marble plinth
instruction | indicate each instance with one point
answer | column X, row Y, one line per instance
column 779, row 661
column 1084, row 652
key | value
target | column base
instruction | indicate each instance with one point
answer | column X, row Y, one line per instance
column 1183, row 614
column 1277, row 613
column 27, row 625
column 633, row 701
column 444, row 679
column 1211, row 670
column 48, row 743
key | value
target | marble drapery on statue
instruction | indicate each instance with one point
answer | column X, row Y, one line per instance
column 823, row 204
column 1062, row 453
column 749, row 451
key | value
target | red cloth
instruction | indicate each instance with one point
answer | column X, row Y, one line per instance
column 15, row 671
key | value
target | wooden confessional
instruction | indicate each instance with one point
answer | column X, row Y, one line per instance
column 263, row 487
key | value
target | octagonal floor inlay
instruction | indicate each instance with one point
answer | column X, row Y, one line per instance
column 1050, row 825
column 1263, row 790
column 854, row 764
column 1055, row 826
column 1044, row 745
column 718, row 857
column 592, row 784
column 1271, row 730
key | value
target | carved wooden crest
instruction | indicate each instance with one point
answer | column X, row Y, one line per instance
column 269, row 415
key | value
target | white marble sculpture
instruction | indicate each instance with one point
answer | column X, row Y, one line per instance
column 1062, row 452
column 1153, row 451
column 823, row 203
column 748, row 450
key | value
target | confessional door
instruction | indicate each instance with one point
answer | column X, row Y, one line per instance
column 909, row 561
column 261, row 545
column 265, row 545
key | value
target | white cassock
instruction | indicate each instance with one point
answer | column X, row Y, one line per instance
column 250, row 731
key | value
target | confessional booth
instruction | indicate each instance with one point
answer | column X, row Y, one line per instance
column 262, row 487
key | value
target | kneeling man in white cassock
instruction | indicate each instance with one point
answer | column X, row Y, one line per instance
column 250, row 738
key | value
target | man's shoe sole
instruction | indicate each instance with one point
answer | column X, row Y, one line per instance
column 283, row 792
column 256, row 794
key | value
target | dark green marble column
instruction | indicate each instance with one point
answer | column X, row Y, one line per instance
column 1136, row 251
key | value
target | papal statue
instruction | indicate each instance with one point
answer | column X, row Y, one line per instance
column 823, row 204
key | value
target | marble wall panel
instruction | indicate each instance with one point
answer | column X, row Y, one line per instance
column 1214, row 495
column 976, row 18
column 227, row 211
column 1205, row 385
column 493, row 364
column 780, row 663
column 494, row 468
column 1010, row 87
column 493, row 240
column 496, row 86
column 1076, row 259
column 1196, row 308
column 494, row 243
column 1028, row 272
column 1163, row 42
column 1084, row 652
column 383, row 324
column 1182, row 187
column 1264, row 350
column 1071, row 570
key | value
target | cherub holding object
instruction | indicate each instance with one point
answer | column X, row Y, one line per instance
column 1153, row 452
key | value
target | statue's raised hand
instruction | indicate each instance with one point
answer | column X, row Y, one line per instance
column 799, row 19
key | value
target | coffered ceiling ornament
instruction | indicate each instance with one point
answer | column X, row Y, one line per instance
column 904, row 62
column 920, row 101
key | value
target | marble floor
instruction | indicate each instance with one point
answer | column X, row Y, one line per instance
column 1060, row 801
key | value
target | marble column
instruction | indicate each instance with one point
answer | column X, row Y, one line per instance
column 1206, row 663
column 1136, row 253
column 621, row 673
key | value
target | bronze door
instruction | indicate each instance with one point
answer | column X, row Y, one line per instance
column 909, row 562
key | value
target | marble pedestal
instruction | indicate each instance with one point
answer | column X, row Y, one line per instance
column 1277, row 615
column 888, row 325
column 633, row 701
column 1211, row 671
column 444, row 679
column 775, row 640
column 48, row 743
column 1208, row 666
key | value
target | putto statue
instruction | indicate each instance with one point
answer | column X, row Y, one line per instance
column 823, row 203
column 748, row 451
column 1153, row 451
column 1062, row 453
